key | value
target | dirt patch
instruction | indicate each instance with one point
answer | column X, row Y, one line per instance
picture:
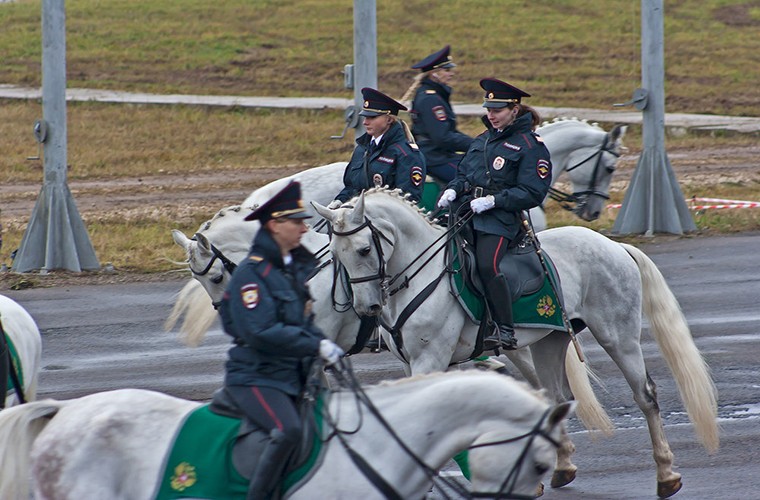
column 737, row 15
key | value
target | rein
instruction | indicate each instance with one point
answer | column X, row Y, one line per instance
column 579, row 197
column 227, row 263
column 347, row 378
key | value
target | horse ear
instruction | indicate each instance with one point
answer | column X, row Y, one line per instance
column 357, row 216
column 560, row 412
column 325, row 212
column 617, row 133
column 180, row 239
column 203, row 243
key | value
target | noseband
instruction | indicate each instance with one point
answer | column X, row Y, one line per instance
column 376, row 236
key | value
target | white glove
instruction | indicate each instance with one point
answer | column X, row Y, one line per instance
column 480, row 205
column 334, row 204
column 329, row 351
column 446, row 198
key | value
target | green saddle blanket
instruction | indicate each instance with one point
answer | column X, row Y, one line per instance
column 199, row 463
column 16, row 366
column 538, row 309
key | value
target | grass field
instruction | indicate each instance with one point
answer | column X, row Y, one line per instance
column 580, row 53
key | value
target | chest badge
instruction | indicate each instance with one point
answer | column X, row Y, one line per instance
column 249, row 294
column 377, row 180
column 498, row 163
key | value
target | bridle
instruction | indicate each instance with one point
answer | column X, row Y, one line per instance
column 229, row 266
column 580, row 198
column 346, row 378
column 377, row 235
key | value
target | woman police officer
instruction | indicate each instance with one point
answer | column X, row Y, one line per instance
column 266, row 309
column 434, row 123
column 385, row 155
column 506, row 170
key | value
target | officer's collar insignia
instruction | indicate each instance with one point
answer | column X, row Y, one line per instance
column 249, row 294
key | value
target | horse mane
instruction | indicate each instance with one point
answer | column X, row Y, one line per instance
column 565, row 121
column 399, row 195
column 221, row 213
column 539, row 394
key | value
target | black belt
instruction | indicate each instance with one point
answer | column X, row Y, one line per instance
column 480, row 191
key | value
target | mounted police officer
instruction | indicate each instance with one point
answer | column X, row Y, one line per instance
column 385, row 155
column 506, row 170
column 267, row 311
column 434, row 123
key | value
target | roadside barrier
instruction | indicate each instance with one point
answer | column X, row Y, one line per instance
column 697, row 203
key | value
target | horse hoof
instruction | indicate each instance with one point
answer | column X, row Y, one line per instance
column 667, row 489
column 562, row 477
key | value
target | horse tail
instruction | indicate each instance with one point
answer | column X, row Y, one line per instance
column 589, row 410
column 199, row 315
column 19, row 427
column 671, row 331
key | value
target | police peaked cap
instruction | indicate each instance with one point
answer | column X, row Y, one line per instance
column 376, row 103
column 287, row 203
column 500, row 94
column 440, row 59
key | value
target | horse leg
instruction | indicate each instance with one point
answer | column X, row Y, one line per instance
column 630, row 360
column 549, row 360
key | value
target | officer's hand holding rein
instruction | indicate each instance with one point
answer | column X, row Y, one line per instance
column 446, row 198
column 329, row 351
column 480, row 205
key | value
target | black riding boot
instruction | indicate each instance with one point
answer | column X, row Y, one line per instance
column 271, row 465
column 5, row 368
column 500, row 300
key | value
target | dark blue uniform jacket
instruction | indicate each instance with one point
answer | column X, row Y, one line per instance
column 394, row 163
column 264, row 310
column 514, row 166
column 434, row 124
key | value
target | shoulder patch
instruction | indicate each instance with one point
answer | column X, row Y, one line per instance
column 249, row 294
column 439, row 113
column 430, row 91
column 543, row 168
column 416, row 176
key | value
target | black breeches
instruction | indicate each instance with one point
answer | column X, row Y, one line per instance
column 489, row 250
column 270, row 409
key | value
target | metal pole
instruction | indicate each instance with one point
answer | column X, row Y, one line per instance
column 55, row 237
column 365, row 52
column 653, row 202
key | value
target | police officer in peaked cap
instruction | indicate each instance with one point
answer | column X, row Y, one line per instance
column 434, row 123
column 506, row 170
column 386, row 155
column 266, row 310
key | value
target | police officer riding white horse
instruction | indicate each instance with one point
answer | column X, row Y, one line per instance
column 386, row 155
column 266, row 309
column 434, row 123
column 506, row 170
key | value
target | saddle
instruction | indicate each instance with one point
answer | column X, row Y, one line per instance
column 216, row 451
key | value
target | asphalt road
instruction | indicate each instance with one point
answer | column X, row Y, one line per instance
column 111, row 336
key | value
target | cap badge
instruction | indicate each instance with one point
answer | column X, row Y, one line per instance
column 490, row 95
column 366, row 104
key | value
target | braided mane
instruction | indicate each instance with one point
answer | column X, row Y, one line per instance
column 399, row 195
column 221, row 213
column 563, row 121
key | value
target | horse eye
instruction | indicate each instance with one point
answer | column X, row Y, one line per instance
column 364, row 251
column 541, row 469
column 610, row 169
column 217, row 279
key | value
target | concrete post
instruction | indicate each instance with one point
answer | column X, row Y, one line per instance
column 653, row 202
column 55, row 237
column 365, row 53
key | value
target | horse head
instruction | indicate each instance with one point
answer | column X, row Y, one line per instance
column 363, row 244
column 589, row 156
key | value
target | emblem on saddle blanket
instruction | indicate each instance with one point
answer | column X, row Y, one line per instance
column 200, row 462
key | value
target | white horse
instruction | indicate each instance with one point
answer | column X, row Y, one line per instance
column 114, row 444
column 23, row 334
column 585, row 151
column 606, row 285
